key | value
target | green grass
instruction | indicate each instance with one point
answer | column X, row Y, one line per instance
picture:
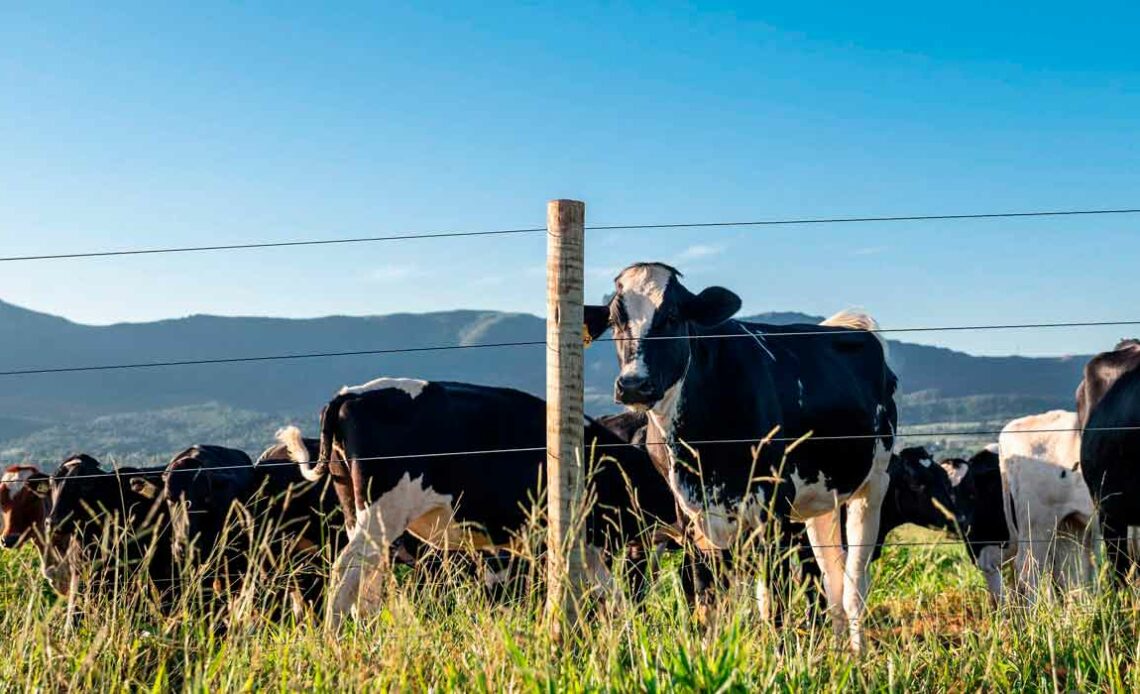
column 930, row 629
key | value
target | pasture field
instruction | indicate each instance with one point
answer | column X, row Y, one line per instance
column 930, row 629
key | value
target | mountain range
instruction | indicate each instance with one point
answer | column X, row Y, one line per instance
column 154, row 411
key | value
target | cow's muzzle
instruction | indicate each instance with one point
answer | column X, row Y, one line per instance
column 636, row 390
column 10, row 541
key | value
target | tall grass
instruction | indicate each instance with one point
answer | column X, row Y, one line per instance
column 930, row 627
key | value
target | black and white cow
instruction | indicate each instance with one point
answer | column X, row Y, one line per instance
column 90, row 506
column 919, row 493
column 412, row 453
column 979, row 500
column 1108, row 409
column 744, row 381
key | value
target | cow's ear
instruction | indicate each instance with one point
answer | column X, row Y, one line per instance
column 144, row 487
column 712, row 307
column 596, row 320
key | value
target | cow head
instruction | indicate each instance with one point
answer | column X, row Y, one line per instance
column 1101, row 373
column 651, row 314
column 921, row 491
column 24, row 493
column 80, row 492
column 963, row 489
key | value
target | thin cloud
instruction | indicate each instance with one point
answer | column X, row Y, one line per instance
column 393, row 273
column 698, row 251
column 870, row 250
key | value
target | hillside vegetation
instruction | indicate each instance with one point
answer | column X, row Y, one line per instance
column 154, row 412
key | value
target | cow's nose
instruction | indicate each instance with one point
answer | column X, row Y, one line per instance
column 633, row 389
column 10, row 541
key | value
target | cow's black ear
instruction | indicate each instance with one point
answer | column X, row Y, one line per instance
column 596, row 320
column 712, row 307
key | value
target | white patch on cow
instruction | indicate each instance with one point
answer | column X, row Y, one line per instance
column 1044, row 493
column 925, row 462
column 854, row 319
column 402, row 505
column 799, row 392
column 955, row 471
column 412, row 386
column 636, row 367
column 812, row 498
column 15, row 480
column 645, row 281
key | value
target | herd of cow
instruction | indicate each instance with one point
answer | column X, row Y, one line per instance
column 734, row 431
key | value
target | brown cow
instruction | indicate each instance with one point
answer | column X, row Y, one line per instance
column 24, row 496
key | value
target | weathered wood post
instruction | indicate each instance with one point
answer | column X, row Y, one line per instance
column 565, row 464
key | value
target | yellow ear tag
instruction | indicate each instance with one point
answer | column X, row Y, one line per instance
column 586, row 339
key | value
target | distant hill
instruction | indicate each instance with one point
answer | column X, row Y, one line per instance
column 156, row 410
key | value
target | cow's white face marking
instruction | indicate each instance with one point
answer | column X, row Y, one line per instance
column 412, row 386
column 956, row 472
column 642, row 291
column 15, row 480
column 925, row 462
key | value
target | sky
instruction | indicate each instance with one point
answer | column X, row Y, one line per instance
column 127, row 125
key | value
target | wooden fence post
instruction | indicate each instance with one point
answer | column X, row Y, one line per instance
column 565, row 465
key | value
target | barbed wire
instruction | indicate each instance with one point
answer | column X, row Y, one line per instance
column 534, row 230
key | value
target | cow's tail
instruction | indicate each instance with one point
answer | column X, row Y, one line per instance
column 294, row 443
column 854, row 319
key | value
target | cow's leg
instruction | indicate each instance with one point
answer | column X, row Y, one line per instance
column 1033, row 553
column 1115, row 545
column 990, row 559
column 637, row 570
column 862, row 534
column 827, row 545
column 363, row 565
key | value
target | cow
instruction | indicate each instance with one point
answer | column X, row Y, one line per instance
column 460, row 467
column 713, row 387
column 919, row 493
column 90, row 505
column 291, row 526
column 200, row 486
column 1108, row 411
column 24, row 497
column 980, row 500
column 1048, row 503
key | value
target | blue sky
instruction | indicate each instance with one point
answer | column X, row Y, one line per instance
column 144, row 125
